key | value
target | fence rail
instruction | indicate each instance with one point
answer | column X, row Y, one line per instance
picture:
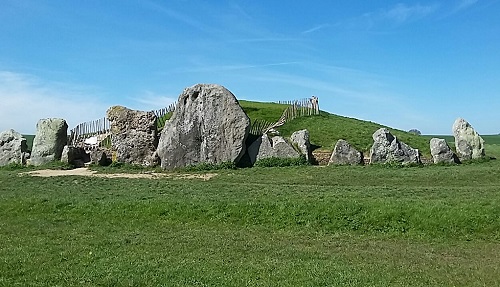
column 161, row 115
column 90, row 134
column 295, row 109
column 97, row 132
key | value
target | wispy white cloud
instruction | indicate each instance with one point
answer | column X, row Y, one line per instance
column 180, row 17
column 267, row 39
column 316, row 28
column 398, row 14
column 149, row 101
column 464, row 4
column 341, row 82
column 402, row 12
column 25, row 99
column 204, row 68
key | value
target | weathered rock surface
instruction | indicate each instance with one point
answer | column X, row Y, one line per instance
column 75, row 156
column 265, row 147
column 101, row 156
column 134, row 136
column 301, row 139
column 468, row 143
column 50, row 138
column 387, row 148
column 208, row 126
column 13, row 148
column 345, row 154
column 441, row 152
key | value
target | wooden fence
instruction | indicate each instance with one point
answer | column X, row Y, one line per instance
column 90, row 134
column 302, row 107
column 295, row 109
column 162, row 115
column 97, row 133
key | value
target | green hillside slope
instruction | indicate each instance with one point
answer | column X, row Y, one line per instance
column 270, row 112
column 325, row 129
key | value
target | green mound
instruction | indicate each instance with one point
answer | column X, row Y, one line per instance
column 270, row 112
column 325, row 129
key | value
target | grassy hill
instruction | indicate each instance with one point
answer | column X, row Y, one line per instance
column 325, row 129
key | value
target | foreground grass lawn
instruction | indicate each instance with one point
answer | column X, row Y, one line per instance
column 302, row 226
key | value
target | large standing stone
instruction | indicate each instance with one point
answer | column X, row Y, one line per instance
column 468, row 143
column 13, row 148
column 301, row 139
column 208, row 126
column 265, row 147
column 50, row 138
column 387, row 148
column 344, row 154
column 134, row 136
column 441, row 152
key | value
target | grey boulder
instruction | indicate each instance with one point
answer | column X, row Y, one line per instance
column 345, row 154
column 134, row 135
column 468, row 143
column 265, row 147
column 441, row 152
column 208, row 126
column 50, row 138
column 13, row 148
column 387, row 148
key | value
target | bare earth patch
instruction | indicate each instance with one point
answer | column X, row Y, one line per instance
column 88, row 172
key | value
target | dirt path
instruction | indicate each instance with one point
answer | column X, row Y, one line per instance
column 88, row 172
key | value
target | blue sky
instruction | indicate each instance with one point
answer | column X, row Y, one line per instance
column 411, row 64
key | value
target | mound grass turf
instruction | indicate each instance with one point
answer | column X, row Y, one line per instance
column 325, row 129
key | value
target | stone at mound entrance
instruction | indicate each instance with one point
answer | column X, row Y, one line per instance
column 265, row 147
column 301, row 139
column 50, row 138
column 387, row 149
column 13, row 148
column 208, row 126
column 134, row 136
column 345, row 154
column 468, row 143
column 441, row 152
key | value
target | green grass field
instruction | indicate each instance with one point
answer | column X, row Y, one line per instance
column 300, row 226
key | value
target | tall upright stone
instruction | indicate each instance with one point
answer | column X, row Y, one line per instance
column 50, row 138
column 387, row 148
column 134, row 135
column 13, row 148
column 468, row 143
column 208, row 126
column 301, row 139
column 345, row 154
